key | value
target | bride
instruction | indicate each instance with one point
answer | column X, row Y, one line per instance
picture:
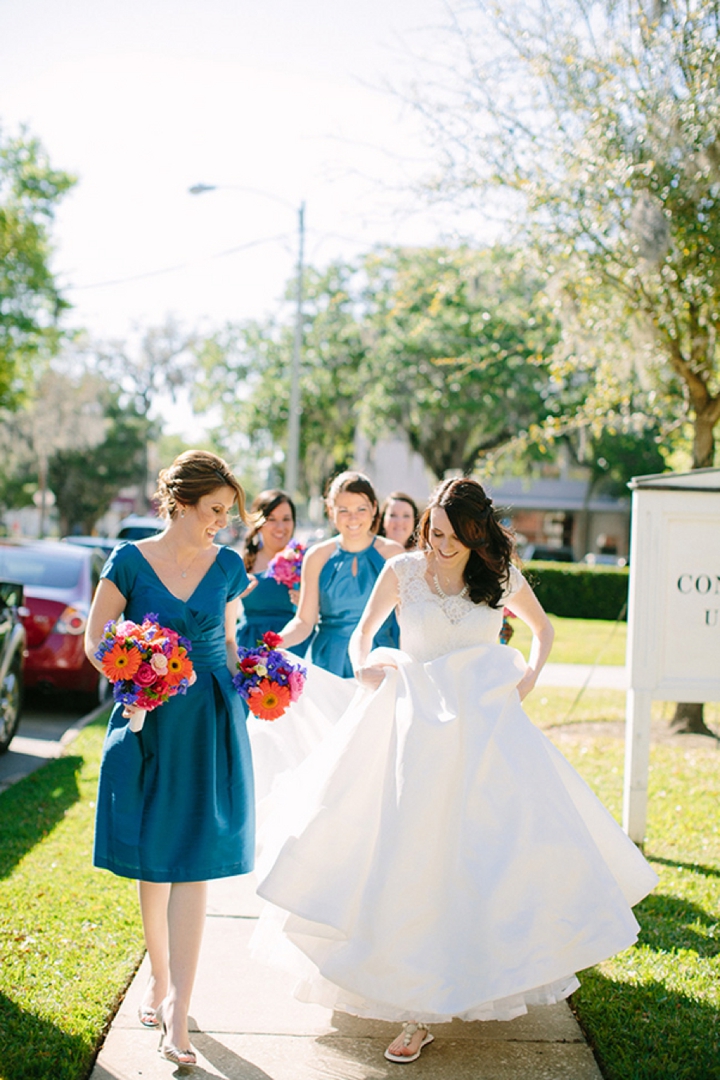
column 435, row 856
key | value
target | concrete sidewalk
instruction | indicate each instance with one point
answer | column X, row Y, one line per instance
column 592, row 677
column 246, row 1025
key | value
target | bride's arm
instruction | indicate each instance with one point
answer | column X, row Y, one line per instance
column 383, row 599
column 526, row 606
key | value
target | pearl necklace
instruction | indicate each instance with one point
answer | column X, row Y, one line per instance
column 444, row 595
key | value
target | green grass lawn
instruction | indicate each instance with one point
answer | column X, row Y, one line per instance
column 70, row 936
column 653, row 1012
column 578, row 641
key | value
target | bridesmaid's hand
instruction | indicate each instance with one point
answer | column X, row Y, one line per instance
column 294, row 596
column 253, row 582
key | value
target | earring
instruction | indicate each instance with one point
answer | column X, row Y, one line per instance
column 182, row 513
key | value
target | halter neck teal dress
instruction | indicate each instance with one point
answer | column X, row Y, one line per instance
column 267, row 607
column 175, row 801
column 343, row 595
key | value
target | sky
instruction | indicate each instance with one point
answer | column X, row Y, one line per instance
column 276, row 102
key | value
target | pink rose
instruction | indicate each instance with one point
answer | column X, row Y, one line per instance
column 145, row 702
column 192, row 677
column 296, row 682
column 159, row 663
column 145, row 675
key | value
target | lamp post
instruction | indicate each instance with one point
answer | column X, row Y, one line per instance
column 292, row 458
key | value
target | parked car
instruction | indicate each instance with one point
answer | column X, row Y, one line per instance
column 137, row 527
column 59, row 581
column 548, row 553
column 12, row 646
column 103, row 543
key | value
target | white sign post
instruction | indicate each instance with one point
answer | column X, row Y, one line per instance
column 673, row 646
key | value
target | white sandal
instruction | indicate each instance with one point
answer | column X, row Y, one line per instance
column 408, row 1031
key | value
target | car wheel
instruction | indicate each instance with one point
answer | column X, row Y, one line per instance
column 11, row 694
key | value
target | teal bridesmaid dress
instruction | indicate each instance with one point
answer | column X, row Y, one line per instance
column 267, row 607
column 175, row 801
column 343, row 595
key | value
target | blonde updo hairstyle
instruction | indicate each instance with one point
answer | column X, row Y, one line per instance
column 193, row 474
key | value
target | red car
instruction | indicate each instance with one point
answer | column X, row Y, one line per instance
column 59, row 581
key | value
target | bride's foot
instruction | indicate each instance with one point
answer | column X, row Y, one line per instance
column 409, row 1043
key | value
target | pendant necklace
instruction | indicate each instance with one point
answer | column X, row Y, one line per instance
column 444, row 595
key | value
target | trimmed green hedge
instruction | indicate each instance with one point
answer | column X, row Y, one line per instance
column 578, row 591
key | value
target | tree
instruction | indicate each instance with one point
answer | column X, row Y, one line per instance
column 73, row 438
column 246, row 374
column 30, row 301
column 600, row 122
column 459, row 342
column 155, row 363
column 86, row 481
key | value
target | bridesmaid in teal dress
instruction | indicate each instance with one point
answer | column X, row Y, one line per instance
column 270, row 604
column 338, row 576
column 175, row 802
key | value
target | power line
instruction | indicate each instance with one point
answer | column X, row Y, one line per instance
column 179, row 266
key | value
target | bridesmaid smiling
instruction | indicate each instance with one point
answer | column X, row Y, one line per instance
column 270, row 604
column 338, row 576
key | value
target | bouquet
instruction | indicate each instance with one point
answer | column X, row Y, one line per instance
column 285, row 567
column 146, row 663
column 267, row 680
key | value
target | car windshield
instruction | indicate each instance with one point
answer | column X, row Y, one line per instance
column 33, row 566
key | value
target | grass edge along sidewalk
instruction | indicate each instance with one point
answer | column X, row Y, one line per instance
column 70, row 935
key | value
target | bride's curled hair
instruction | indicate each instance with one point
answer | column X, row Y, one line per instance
column 476, row 524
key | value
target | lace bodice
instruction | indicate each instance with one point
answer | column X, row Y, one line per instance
column 430, row 625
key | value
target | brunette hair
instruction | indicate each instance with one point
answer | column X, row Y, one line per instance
column 476, row 524
column 192, row 475
column 358, row 484
column 260, row 509
column 400, row 496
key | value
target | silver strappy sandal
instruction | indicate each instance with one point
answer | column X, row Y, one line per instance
column 408, row 1031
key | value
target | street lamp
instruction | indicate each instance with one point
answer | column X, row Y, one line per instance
column 292, row 460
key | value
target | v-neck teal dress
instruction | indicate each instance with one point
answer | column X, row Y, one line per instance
column 175, row 801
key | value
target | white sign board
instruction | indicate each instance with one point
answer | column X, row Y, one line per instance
column 673, row 650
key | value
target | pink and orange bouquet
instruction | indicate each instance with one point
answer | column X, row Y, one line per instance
column 285, row 567
column 267, row 680
column 146, row 663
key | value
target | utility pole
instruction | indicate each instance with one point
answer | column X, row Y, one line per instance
column 292, row 461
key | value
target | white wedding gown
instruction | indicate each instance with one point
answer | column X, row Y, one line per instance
column 434, row 855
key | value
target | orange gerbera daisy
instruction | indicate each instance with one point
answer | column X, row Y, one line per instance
column 179, row 667
column 121, row 663
column 269, row 700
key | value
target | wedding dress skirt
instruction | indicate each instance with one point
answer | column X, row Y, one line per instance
column 435, row 856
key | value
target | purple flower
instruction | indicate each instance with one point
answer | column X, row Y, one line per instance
column 125, row 692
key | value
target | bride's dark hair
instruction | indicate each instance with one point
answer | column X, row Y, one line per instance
column 476, row 524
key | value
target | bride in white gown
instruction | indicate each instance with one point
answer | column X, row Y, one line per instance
column 435, row 856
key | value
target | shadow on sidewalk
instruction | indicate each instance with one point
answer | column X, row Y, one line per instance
column 224, row 1060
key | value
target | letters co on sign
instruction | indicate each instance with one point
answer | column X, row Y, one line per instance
column 707, row 585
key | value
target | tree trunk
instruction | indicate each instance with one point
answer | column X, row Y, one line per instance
column 689, row 720
column 704, row 439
